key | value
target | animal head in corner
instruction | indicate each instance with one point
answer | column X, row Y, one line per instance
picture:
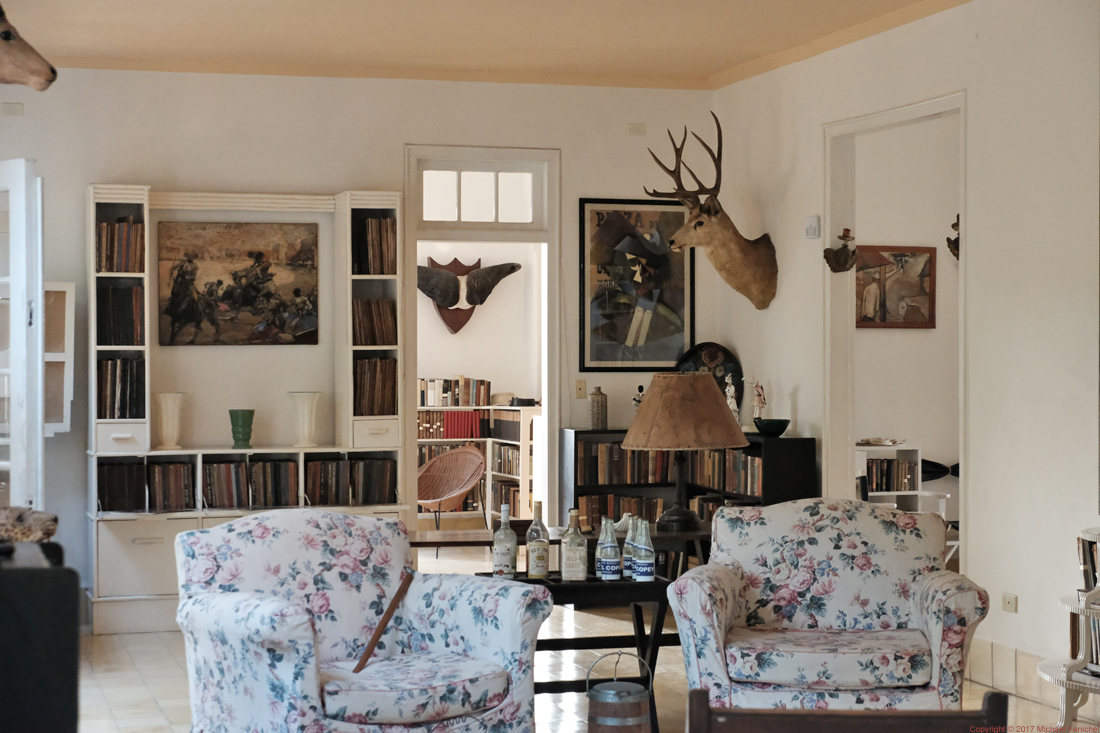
column 19, row 62
column 456, row 289
column 20, row 524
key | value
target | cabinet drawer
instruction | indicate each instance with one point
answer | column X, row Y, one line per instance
column 138, row 557
column 124, row 437
column 376, row 433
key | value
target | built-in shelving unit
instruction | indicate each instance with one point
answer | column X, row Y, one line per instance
column 134, row 585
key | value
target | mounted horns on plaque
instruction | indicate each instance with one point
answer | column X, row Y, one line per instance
column 456, row 289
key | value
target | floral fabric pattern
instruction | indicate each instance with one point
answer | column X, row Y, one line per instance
column 854, row 577
column 269, row 600
column 830, row 659
column 412, row 688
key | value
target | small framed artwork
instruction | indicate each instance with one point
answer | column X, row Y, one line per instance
column 637, row 294
column 895, row 287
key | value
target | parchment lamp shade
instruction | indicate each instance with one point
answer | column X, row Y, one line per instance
column 683, row 411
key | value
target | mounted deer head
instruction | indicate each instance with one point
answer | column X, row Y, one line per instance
column 748, row 266
column 19, row 62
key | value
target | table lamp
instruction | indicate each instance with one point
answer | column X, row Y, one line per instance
column 683, row 411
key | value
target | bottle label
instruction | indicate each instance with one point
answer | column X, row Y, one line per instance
column 608, row 569
column 574, row 565
column 504, row 562
column 643, row 570
column 628, row 562
column 538, row 560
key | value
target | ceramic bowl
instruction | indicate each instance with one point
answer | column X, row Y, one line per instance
column 770, row 427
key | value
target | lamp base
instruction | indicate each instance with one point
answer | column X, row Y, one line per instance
column 678, row 518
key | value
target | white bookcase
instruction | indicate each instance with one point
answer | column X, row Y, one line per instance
column 134, row 579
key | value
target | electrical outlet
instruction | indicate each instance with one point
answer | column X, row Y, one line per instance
column 580, row 392
column 1008, row 602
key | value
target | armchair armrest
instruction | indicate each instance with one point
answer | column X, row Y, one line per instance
column 706, row 601
column 947, row 607
column 487, row 618
column 250, row 660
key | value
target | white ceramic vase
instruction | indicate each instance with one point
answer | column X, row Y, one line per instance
column 170, row 404
column 305, row 417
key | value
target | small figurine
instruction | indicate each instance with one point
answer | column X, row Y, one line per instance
column 843, row 258
column 637, row 399
column 758, row 400
column 731, row 398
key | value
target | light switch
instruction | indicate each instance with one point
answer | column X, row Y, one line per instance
column 813, row 227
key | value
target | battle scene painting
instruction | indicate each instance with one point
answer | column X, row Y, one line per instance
column 637, row 300
column 237, row 283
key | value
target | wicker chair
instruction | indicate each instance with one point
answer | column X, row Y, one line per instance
column 443, row 482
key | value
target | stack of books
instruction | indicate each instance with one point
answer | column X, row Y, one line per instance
column 351, row 482
column 225, row 485
column 374, row 322
column 506, row 425
column 458, row 391
column 274, row 483
column 375, row 387
column 506, row 459
column 505, row 492
column 120, row 384
column 462, row 425
column 121, row 487
column 891, row 474
column 171, row 487
column 120, row 247
column 120, row 315
column 374, row 247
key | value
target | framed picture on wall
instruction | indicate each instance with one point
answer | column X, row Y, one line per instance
column 637, row 295
column 895, row 287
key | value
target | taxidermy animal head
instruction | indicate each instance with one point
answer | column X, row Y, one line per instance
column 19, row 62
column 747, row 266
column 953, row 244
column 456, row 289
column 843, row 258
column 20, row 524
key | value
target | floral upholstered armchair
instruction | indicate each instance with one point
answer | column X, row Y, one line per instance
column 276, row 609
column 824, row 603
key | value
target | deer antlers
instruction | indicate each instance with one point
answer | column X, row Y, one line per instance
column 691, row 199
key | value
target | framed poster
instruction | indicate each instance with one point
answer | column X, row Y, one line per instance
column 895, row 287
column 237, row 283
column 637, row 295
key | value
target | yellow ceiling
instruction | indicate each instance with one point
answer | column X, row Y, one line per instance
column 682, row 44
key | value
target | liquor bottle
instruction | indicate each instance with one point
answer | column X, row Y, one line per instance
column 608, row 565
column 645, row 559
column 538, row 545
column 574, row 550
column 628, row 548
column 504, row 547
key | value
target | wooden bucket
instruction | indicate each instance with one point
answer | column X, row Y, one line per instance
column 618, row 706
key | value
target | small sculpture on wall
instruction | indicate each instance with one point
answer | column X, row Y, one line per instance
column 843, row 258
column 758, row 400
column 953, row 244
column 747, row 266
column 637, row 399
column 19, row 62
column 456, row 289
column 731, row 398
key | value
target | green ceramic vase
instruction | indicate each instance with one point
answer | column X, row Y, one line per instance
column 241, row 420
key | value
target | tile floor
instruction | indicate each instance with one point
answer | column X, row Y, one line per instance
column 137, row 683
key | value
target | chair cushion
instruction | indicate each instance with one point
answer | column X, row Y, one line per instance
column 415, row 688
column 829, row 659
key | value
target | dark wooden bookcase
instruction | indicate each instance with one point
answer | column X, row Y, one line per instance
column 789, row 471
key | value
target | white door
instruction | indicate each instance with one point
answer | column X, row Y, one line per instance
column 21, row 351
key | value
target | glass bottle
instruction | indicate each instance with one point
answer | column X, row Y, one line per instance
column 628, row 548
column 607, row 553
column 504, row 547
column 574, row 550
column 645, row 559
column 538, row 545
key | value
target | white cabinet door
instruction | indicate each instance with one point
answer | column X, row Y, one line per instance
column 22, row 361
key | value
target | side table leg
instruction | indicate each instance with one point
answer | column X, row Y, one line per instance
column 1072, row 701
column 648, row 648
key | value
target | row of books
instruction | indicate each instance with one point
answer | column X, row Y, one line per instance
column 473, row 499
column 891, row 474
column 121, row 487
column 120, row 315
column 374, row 246
column 440, row 425
column 504, row 492
column 171, row 487
column 459, row 391
column 727, row 470
column 120, row 246
column 375, row 387
column 351, row 482
column 506, row 459
column 274, row 483
column 1087, row 556
column 373, row 322
column 507, row 425
column 705, row 507
column 120, row 387
column 225, row 485
column 595, row 506
column 600, row 464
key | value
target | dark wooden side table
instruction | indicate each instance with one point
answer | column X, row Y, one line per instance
column 593, row 593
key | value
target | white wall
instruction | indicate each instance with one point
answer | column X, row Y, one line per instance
column 907, row 380
column 1030, row 318
column 501, row 342
column 211, row 132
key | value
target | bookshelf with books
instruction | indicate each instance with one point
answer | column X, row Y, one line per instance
column 768, row 471
column 141, row 497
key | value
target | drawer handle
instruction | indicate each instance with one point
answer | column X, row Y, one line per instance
column 377, row 431
column 121, row 437
column 148, row 540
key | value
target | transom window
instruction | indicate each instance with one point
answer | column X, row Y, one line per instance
column 482, row 194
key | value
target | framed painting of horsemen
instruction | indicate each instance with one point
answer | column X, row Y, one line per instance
column 237, row 283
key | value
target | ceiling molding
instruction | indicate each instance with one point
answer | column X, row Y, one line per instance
column 830, row 42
